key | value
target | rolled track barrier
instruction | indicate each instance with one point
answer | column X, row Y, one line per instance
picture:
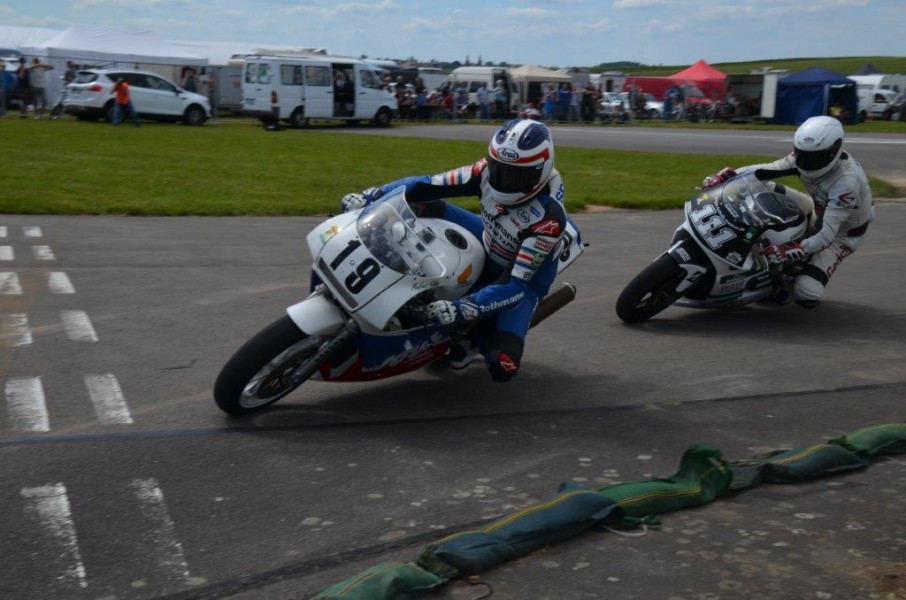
column 703, row 476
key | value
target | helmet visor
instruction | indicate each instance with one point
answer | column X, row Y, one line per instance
column 815, row 160
column 508, row 178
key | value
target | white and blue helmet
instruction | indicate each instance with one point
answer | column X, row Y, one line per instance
column 520, row 161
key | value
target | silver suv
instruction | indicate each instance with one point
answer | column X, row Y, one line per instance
column 153, row 97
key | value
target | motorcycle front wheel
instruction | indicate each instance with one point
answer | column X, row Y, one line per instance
column 651, row 291
column 257, row 375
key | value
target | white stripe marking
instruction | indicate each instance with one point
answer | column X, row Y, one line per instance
column 59, row 283
column 108, row 400
column 25, row 402
column 3, row 231
column 51, row 506
column 9, row 284
column 43, row 253
column 6, row 253
column 170, row 556
column 32, row 231
column 78, row 326
column 14, row 330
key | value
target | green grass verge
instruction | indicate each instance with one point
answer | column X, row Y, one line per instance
column 72, row 167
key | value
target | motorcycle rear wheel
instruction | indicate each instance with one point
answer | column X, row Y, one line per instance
column 651, row 291
column 257, row 375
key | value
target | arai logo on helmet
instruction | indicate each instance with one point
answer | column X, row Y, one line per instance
column 508, row 154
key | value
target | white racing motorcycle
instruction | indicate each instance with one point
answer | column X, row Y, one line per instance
column 378, row 267
column 714, row 260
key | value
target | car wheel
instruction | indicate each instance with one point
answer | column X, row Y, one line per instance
column 896, row 115
column 383, row 118
column 194, row 115
column 297, row 119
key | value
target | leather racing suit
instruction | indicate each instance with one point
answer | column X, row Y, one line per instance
column 522, row 242
column 844, row 207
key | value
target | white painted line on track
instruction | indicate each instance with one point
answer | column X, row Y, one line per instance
column 6, row 253
column 43, row 253
column 169, row 551
column 26, row 406
column 59, row 283
column 9, row 284
column 32, row 231
column 14, row 330
column 108, row 400
column 50, row 504
column 3, row 231
column 78, row 326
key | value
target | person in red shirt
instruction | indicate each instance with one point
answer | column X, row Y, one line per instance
column 123, row 103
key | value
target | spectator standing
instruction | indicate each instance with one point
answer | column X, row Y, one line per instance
column 680, row 101
column 188, row 82
column 70, row 74
column 564, row 96
column 573, row 110
column 668, row 104
column 589, row 102
column 123, row 103
column 549, row 103
column 37, row 80
column 484, row 108
column 23, row 88
column 7, row 80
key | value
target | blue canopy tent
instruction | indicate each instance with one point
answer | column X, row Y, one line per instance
column 813, row 92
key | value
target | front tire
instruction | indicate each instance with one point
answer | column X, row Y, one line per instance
column 194, row 116
column 383, row 118
column 256, row 376
column 651, row 291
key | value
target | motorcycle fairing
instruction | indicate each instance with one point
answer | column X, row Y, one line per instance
column 378, row 355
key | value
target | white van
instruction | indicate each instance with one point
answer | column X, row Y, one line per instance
column 298, row 88
column 473, row 77
column 876, row 92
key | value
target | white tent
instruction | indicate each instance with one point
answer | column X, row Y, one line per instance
column 104, row 46
column 114, row 45
column 526, row 74
column 13, row 37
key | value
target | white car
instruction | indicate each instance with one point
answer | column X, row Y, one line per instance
column 153, row 97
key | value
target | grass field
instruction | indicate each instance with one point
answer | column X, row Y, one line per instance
column 236, row 168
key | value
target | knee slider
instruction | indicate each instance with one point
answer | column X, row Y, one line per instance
column 807, row 289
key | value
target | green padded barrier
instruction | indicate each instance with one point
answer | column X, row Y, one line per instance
column 387, row 581
column 702, row 477
column 571, row 512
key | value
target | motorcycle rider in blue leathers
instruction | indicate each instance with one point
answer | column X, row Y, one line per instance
column 522, row 226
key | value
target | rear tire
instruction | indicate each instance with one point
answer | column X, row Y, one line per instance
column 297, row 120
column 651, row 291
column 255, row 376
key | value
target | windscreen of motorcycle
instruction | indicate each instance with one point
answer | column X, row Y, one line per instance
column 384, row 261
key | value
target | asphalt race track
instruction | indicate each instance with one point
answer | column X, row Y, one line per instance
column 121, row 479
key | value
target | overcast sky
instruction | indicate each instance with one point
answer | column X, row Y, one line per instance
column 544, row 32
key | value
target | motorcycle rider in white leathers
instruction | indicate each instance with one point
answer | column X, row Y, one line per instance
column 842, row 199
column 521, row 225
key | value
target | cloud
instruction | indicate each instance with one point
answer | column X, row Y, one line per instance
column 658, row 26
column 531, row 13
column 630, row 4
column 372, row 8
column 420, row 25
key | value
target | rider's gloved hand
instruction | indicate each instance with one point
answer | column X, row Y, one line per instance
column 356, row 201
column 789, row 252
column 718, row 178
column 451, row 312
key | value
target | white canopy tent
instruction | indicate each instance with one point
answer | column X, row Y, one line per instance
column 526, row 74
column 114, row 46
column 110, row 46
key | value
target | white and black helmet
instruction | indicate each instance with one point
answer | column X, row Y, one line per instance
column 817, row 146
column 520, row 161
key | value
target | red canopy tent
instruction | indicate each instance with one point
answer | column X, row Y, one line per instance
column 710, row 80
